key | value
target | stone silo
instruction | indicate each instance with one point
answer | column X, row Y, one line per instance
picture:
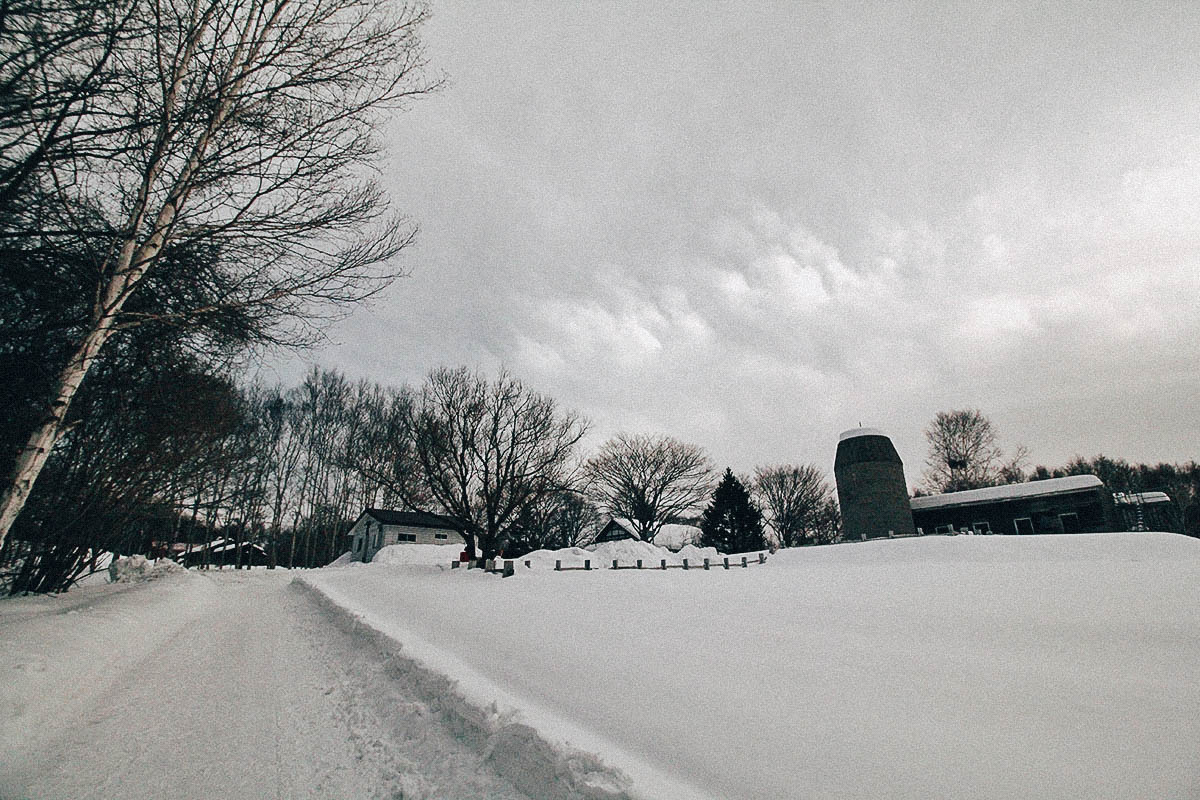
column 870, row 486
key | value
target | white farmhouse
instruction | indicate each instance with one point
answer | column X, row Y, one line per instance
column 376, row 528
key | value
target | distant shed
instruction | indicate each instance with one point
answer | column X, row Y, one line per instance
column 673, row 536
column 377, row 528
column 1075, row 504
column 1147, row 511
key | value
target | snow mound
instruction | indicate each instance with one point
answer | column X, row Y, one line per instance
column 570, row 556
column 133, row 569
column 695, row 554
column 403, row 555
column 628, row 551
column 343, row 560
column 674, row 537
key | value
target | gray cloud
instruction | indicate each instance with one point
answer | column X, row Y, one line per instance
column 755, row 228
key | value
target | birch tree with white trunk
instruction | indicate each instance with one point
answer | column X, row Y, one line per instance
column 244, row 125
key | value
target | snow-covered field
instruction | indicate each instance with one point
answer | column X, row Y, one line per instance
column 981, row 667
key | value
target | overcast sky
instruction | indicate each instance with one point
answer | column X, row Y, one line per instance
column 752, row 226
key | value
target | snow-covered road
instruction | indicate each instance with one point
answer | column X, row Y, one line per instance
column 223, row 685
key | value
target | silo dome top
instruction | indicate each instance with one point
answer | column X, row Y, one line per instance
column 854, row 432
column 864, row 445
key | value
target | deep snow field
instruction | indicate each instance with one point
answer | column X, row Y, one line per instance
column 974, row 666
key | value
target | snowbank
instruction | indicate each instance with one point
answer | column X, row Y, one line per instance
column 539, row 753
column 345, row 559
column 673, row 536
column 570, row 556
column 984, row 667
column 401, row 555
column 628, row 551
column 132, row 569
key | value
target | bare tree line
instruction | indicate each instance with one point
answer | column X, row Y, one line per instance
column 291, row 469
column 237, row 132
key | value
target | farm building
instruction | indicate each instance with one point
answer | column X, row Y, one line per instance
column 1075, row 504
column 224, row 553
column 1147, row 511
column 377, row 528
column 672, row 536
column 871, row 490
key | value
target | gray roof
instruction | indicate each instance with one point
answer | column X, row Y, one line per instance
column 414, row 519
column 994, row 494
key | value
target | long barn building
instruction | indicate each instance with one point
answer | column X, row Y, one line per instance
column 1075, row 504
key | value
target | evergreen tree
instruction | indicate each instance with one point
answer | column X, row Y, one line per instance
column 732, row 523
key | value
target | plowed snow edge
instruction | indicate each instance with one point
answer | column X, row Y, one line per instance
column 542, row 764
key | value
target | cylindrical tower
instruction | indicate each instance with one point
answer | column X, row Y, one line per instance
column 870, row 486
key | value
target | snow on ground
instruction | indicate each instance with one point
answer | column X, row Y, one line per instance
column 983, row 667
column 424, row 554
column 132, row 569
column 226, row 684
column 628, row 551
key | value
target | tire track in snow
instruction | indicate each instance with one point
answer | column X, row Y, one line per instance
column 258, row 695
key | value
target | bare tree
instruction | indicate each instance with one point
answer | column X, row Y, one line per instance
column 382, row 451
column 799, row 503
column 561, row 519
column 491, row 449
column 963, row 453
column 241, row 124
column 649, row 480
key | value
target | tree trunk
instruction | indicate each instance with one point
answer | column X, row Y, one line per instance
column 41, row 442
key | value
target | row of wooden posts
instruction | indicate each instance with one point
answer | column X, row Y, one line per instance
column 507, row 567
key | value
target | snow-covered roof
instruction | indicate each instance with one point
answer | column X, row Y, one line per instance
column 1143, row 498
column 855, row 432
column 674, row 536
column 992, row 494
column 624, row 524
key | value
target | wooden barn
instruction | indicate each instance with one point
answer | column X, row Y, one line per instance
column 1075, row 504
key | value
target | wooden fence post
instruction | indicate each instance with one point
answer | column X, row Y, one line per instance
column 664, row 563
column 615, row 564
column 557, row 565
column 639, row 563
column 685, row 566
column 587, row 563
column 726, row 562
column 706, row 563
column 762, row 558
column 743, row 562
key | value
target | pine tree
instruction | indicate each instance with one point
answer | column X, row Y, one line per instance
column 732, row 523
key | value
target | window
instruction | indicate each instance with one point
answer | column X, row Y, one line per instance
column 440, row 536
column 1024, row 525
column 1070, row 522
column 944, row 529
column 406, row 537
column 982, row 527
